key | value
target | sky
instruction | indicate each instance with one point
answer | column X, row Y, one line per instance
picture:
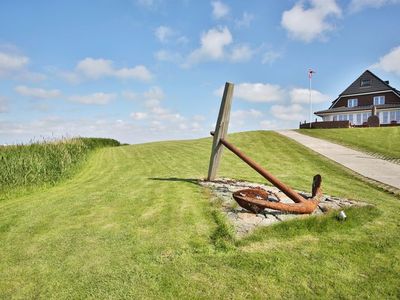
column 149, row 70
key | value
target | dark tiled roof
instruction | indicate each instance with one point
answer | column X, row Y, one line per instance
column 377, row 85
column 357, row 108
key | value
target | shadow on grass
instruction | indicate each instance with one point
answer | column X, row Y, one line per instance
column 188, row 180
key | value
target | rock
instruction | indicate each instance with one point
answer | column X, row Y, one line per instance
column 286, row 217
column 269, row 221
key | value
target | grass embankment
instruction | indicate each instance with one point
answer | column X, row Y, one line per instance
column 133, row 224
column 44, row 162
column 383, row 141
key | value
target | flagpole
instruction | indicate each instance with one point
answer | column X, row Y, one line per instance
column 309, row 90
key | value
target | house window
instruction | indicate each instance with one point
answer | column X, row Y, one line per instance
column 365, row 82
column 392, row 116
column 379, row 100
column 385, row 118
column 359, row 119
column 365, row 117
column 352, row 102
column 398, row 116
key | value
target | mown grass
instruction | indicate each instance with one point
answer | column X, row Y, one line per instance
column 134, row 224
column 44, row 162
column 384, row 141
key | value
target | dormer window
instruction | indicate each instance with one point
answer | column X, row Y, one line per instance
column 365, row 82
column 379, row 100
column 352, row 102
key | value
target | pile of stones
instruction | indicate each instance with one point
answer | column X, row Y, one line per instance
column 245, row 222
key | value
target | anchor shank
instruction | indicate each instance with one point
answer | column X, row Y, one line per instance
column 267, row 175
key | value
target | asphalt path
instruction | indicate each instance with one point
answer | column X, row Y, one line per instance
column 361, row 163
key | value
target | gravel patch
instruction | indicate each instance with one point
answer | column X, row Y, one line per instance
column 245, row 222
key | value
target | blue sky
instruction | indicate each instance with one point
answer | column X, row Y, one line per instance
column 146, row 70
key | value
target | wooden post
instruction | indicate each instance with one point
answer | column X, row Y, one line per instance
column 221, row 129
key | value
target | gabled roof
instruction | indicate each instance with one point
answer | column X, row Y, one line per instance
column 376, row 85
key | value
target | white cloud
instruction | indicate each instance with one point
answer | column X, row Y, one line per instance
column 256, row 92
column 244, row 114
column 259, row 92
column 26, row 75
column 123, row 130
column 3, row 104
column 10, row 62
column 308, row 23
column 244, row 119
column 390, row 62
column 154, row 92
column 213, row 43
column 268, row 125
column 95, row 98
column 129, row 95
column 164, row 33
column 139, row 115
column 220, row 10
column 138, row 72
column 293, row 112
column 37, row 92
column 245, row 21
column 199, row 118
column 241, row 53
column 95, row 68
column 71, row 77
column 302, row 96
column 92, row 68
column 14, row 65
column 158, row 118
column 165, row 55
column 357, row 5
column 270, row 56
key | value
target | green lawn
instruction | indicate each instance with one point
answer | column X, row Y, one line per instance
column 133, row 224
column 384, row 141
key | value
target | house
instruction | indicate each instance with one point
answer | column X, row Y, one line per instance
column 368, row 93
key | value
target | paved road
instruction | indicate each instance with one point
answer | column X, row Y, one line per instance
column 364, row 164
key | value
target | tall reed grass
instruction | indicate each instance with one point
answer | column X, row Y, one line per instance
column 44, row 162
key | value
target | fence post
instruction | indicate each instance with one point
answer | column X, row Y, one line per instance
column 221, row 129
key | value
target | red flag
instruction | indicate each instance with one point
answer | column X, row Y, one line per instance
column 310, row 73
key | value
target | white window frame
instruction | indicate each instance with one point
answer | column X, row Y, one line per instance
column 379, row 100
column 353, row 102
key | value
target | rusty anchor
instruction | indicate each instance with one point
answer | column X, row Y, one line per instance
column 257, row 199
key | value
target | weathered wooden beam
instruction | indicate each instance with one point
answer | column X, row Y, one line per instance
column 221, row 129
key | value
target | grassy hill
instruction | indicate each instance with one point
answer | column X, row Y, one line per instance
column 134, row 224
column 384, row 141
